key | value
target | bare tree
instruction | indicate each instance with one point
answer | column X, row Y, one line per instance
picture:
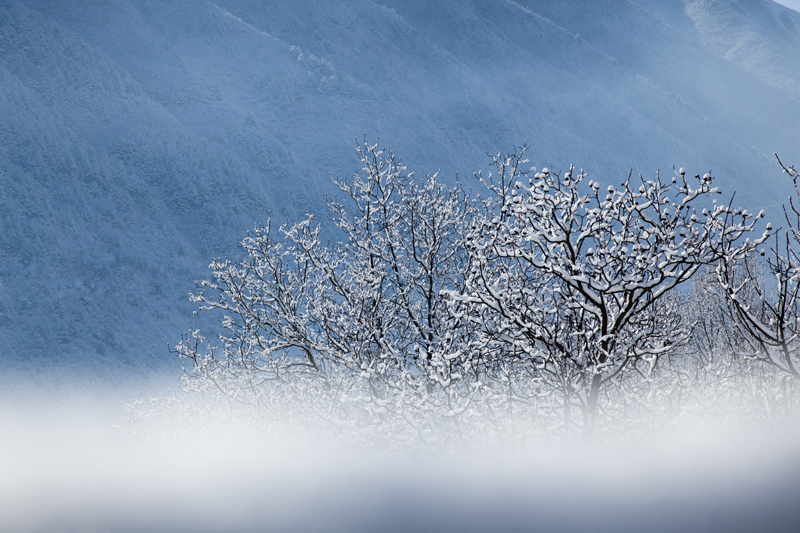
column 436, row 318
column 580, row 279
column 355, row 331
column 770, row 315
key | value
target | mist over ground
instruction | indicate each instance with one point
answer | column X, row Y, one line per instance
column 70, row 474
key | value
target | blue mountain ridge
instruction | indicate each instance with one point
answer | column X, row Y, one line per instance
column 140, row 139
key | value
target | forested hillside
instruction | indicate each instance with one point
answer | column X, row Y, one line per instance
column 141, row 139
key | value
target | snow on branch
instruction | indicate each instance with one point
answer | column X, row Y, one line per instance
column 439, row 318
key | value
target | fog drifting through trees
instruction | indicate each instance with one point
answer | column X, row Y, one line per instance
column 459, row 361
column 436, row 368
column 354, row 389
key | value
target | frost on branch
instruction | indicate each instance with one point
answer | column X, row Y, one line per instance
column 440, row 320
column 578, row 278
column 771, row 318
column 352, row 333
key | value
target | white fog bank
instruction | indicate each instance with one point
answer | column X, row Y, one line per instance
column 69, row 471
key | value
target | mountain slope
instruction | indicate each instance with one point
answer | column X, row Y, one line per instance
column 140, row 139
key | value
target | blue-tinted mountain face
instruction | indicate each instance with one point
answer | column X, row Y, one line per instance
column 140, row 139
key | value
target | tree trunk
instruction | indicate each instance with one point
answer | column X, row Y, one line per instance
column 591, row 410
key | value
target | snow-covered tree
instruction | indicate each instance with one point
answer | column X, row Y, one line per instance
column 353, row 330
column 436, row 318
column 579, row 280
column 770, row 314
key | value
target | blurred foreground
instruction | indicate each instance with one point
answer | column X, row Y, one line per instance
column 63, row 468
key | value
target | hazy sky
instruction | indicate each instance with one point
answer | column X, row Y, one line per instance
column 794, row 4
